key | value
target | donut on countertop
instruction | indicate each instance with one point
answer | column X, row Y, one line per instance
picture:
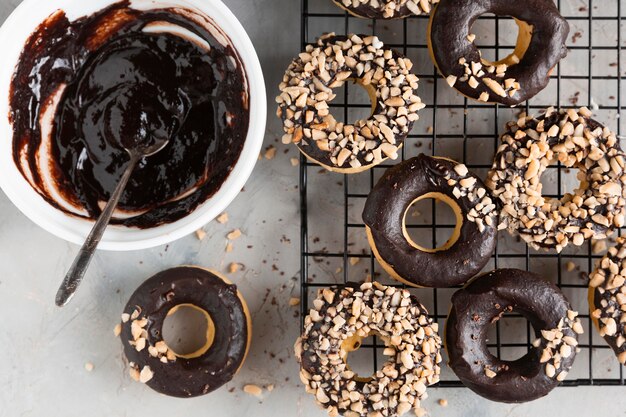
column 480, row 304
column 386, row 9
column 607, row 298
column 474, row 237
column 229, row 332
column 516, row 78
column 529, row 146
column 336, row 325
column 307, row 88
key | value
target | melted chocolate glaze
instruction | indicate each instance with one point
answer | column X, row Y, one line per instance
column 189, row 285
column 450, row 25
column 385, row 208
column 126, row 85
column 482, row 302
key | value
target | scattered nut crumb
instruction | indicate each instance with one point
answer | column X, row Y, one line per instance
column 270, row 152
column 233, row 267
column 295, row 162
column 117, row 330
column 420, row 412
column 229, row 247
column 125, row 317
column 354, row 261
column 294, row 301
column 253, row 390
column 89, row 366
column 269, row 387
column 200, row 234
column 234, row 234
column 570, row 266
column 222, row 218
column 598, row 246
column 443, row 402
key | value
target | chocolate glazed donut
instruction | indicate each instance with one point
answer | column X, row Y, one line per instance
column 514, row 79
column 228, row 332
column 473, row 239
column 483, row 302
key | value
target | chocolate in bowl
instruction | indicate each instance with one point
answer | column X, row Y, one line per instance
column 84, row 87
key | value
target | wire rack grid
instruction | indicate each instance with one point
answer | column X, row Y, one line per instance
column 334, row 247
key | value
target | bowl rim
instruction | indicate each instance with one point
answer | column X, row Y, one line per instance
column 13, row 34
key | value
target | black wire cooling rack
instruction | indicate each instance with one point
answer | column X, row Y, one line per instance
column 334, row 247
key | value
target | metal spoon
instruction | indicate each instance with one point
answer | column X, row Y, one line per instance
column 75, row 275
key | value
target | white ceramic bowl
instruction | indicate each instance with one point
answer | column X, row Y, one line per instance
column 14, row 33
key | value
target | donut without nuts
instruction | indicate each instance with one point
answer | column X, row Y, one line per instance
column 509, row 81
column 229, row 331
column 474, row 237
column 386, row 9
column 307, row 88
column 480, row 304
column 574, row 139
column 336, row 325
column 607, row 298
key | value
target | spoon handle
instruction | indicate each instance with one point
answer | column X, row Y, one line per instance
column 75, row 275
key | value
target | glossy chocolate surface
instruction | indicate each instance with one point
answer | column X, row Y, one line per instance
column 201, row 288
column 452, row 20
column 124, row 76
column 384, row 212
column 477, row 307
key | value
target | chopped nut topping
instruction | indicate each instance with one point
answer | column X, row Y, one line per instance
column 391, row 8
column 146, row 374
column 371, row 308
column 483, row 210
column 140, row 341
column 558, row 344
column 609, row 297
column 528, row 147
column 474, row 73
column 307, row 88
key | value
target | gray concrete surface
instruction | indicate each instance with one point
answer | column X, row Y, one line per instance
column 43, row 349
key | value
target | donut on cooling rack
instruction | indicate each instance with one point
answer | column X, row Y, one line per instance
column 483, row 302
column 607, row 298
column 529, row 146
column 307, row 88
column 336, row 325
column 228, row 335
column 473, row 239
column 386, row 9
column 509, row 81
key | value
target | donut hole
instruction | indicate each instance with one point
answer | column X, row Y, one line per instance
column 357, row 353
column 188, row 330
column 419, row 232
column 510, row 30
column 361, row 99
column 515, row 356
column 557, row 181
